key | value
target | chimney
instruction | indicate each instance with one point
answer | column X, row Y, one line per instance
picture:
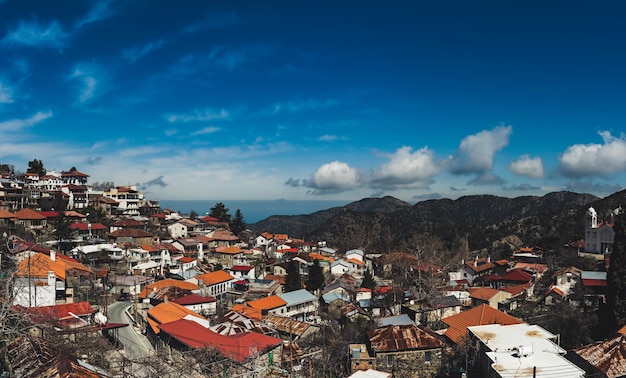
column 165, row 299
column 53, row 255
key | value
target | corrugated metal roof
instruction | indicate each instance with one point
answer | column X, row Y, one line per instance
column 403, row 337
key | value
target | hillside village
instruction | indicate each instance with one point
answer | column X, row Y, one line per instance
column 103, row 282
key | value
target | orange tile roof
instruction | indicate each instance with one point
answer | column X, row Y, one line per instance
column 40, row 264
column 622, row 331
column 317, row 256
column 231, row 250
column 484, row 293
column 518, row 289
column 168, row 312
column 4, row 214
column 355, row 261
column 249, row 312
column 274, row 277
column 479, row 265
column 267, row 303
column 165, row 283
column 216, row 277
column 28, row 214
column 479, row 315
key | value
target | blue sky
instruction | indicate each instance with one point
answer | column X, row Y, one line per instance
column 318, row 100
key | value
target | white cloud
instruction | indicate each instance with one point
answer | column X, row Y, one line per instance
column 330, row 138
column 206, row 130
column 31, row 33
column 476, row 152
column 333, row 177
column 198, row 116
column 407, row 168
column 6, row 94
column 581, row 160
column 19, row 124
column 527, row 166
column 298, row 106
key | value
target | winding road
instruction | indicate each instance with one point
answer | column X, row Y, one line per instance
column 135, row 344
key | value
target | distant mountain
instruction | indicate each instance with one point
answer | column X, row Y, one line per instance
column 389, row 224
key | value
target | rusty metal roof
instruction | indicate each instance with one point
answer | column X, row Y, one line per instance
column 403, row 337
column 287, row 325
column 609, row 357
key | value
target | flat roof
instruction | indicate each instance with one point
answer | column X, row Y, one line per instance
column 519, row 349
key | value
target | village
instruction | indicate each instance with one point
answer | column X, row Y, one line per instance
column 106, row 283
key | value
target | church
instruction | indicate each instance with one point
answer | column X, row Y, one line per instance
column 598, row 236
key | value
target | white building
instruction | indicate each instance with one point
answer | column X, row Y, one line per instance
column 598, row 235
column 519, row 350
column 301, row 304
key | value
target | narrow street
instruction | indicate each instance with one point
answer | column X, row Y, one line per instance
column 135, row 344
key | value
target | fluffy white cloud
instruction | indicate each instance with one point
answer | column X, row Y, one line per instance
column 206, row 130
column 582, row 160
column 527, row 166
column 476, row 152
column 333, row 177
column 407, row 168
column 88, row 78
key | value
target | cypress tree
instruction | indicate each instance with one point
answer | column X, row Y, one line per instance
column 316, row 276
column 293, row 281
column 616, row 277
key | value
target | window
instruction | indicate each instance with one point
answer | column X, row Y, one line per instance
column 390, row 359
column 428, row 356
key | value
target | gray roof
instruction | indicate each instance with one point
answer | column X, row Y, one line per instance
column 403, row 319
column 297, row 297
column 590, row 275
column 334, row 296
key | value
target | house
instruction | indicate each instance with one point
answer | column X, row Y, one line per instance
column 46, row 280
column 594, row 286
column 31, row 220
column 474, row 270
column 88, row 231
column 131, row 235
column 290, row 329
column 518, row 350
column 479, row 315
column 432, row 311
column 269, row 305
column 243, row 272
column 300, row 304
column 341, row 267
column 356, row 254
column 360, row 359
column 265, row 287
column 488, row 296
column 127, row 223
column 165, row 283
column 228, row 256
column 216, row 284
column 413, row 349
column 566, row 278
column 164, row 313
column 370, row 373
column 250, row 351
column 199, row 304
column 178, row 230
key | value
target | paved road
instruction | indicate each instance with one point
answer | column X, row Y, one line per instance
column 135, row 344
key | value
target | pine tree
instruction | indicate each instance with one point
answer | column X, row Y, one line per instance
column 238, row 224
column 316, row 277
column 293, row 281
column 220, row 211
column 616, row 277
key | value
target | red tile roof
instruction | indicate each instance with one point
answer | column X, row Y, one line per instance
column 214, row 278
column 267, row 303
column 517, row 275
column 28, row 214
column 479, row 265
column 479, row 315
column 238, row 347
column 81, row 226
column 192, row 299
